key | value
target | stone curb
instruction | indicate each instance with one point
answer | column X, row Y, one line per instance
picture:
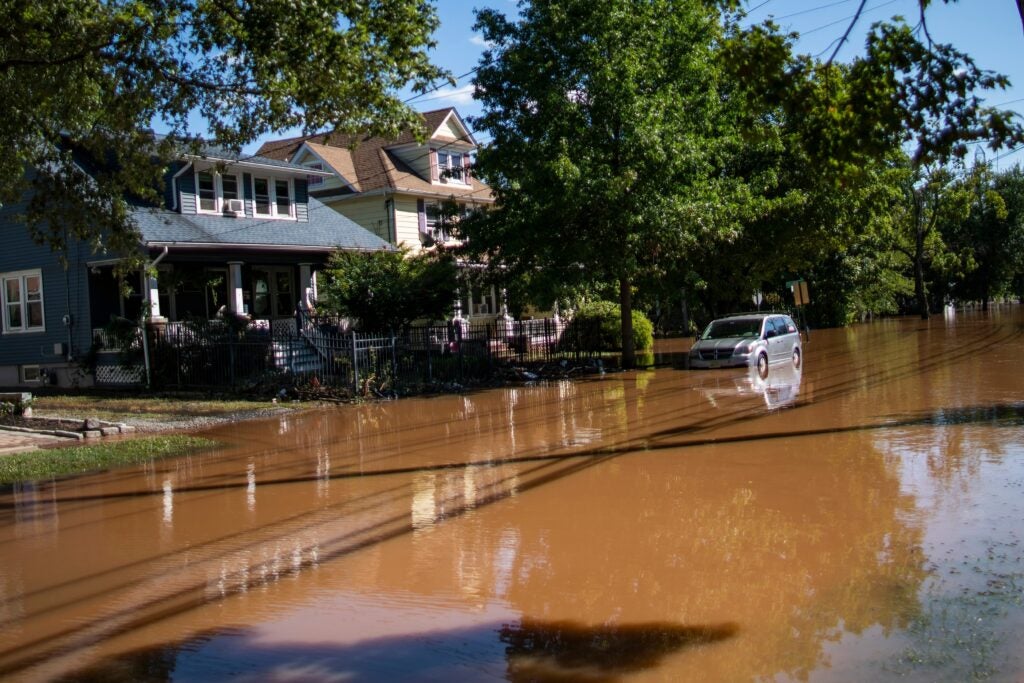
column 106, row 429
column 47, row 432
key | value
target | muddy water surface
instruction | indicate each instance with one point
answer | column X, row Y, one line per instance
column 858, row 518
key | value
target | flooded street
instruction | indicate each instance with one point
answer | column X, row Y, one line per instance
column 859, row 518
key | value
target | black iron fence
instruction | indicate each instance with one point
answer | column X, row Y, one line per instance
column 324, row 352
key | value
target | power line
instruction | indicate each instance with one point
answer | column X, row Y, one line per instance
column 438, row 87
column 852, row 16
column 813, row 9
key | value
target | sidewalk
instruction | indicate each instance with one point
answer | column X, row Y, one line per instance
column 16, row 442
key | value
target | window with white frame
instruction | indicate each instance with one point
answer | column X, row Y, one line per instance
column 449, row 167
column 315, row 179
column 273, row 198
column 22, row 294
column 215, row 192
column 31, row 374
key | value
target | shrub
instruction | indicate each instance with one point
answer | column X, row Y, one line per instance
column 597, row 326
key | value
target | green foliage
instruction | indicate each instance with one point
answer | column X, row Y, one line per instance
column 608, row 120
column 386, row 290
column 37, row 465
column 596, row 326
column 85, row 76
column 989, row 242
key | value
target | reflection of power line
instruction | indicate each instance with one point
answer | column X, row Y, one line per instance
column 182, row 600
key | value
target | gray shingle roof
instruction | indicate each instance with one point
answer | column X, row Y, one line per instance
column 326, row 229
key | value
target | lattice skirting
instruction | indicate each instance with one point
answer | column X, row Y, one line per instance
column 119, row 374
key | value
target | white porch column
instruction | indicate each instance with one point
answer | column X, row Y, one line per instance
column 307, row 285
column 152, row 297
column 506, row 319
column 235, row 302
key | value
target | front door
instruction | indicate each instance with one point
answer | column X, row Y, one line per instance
column 273, row 292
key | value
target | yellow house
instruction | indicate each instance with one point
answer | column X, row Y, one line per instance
column 393, row 188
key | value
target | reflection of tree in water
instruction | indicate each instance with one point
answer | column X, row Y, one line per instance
column 566, row 650
column 956, row 441
column 796, row 560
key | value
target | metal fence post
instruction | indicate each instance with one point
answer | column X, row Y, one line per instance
column 355, row 365
column 430, row 365
column 458, row 342
column 394, row 362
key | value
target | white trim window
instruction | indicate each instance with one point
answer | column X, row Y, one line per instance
column 273, row 197
column 312, row 180
column 449, row 168
column 214, row 192
column 22, row 294
column 31, row 374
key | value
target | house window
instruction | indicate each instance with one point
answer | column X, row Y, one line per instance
column 207, row 186
column 273, row 197
column 449, row 167
column 282, row 198
column 261, row 192
column 215, row 190
column 229, row 186
column 22, row 294
column 315, row 179
column 31, row 374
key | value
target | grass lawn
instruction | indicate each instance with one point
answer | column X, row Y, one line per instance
column 159, row 407
column 43, row 464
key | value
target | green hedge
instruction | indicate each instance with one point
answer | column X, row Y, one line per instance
column 597, row 326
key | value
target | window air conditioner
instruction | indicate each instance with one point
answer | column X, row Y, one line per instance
column 234, row 206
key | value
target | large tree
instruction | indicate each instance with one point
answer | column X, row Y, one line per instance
column 610, row 140
column 82, row 80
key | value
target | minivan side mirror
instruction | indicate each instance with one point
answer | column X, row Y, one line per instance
column 768, row 334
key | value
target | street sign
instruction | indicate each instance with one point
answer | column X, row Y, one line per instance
column 757, row 298
column 799, row 289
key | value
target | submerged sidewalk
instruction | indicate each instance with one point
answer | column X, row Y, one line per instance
column 16, row 442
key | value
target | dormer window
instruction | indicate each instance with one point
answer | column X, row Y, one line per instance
column 312, row 180
column 217, row 193
column 273, row 198
column 450, row 168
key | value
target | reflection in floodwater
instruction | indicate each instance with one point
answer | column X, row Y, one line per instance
column 779, row 389
column 566, row 650
column 574, row 530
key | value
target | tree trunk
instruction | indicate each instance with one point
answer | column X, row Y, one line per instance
column 919, row 289
column 626, row 304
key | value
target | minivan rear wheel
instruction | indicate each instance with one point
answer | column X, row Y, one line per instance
column 796, row 358
column 762, row 365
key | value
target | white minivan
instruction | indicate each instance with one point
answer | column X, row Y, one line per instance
column 753, row 339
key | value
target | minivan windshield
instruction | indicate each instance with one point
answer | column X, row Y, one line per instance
column 724, row 329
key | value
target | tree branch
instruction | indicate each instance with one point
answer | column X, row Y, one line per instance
column 846, row 36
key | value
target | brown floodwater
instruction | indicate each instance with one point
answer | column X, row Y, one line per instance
column 859, row 518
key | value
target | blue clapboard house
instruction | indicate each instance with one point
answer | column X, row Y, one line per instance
column 235, row 236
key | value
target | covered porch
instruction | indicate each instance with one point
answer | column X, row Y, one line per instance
column 263, row 289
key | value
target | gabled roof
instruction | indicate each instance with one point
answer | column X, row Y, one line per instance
column 217, row 154
column 368, row 163
column 325, row 230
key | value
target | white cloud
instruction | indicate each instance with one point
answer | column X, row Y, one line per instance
column 479, row 41
column 457, row 96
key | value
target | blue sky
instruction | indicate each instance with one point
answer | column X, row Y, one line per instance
column 989, row 30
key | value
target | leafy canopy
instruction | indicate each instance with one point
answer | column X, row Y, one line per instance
column 83, row 79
